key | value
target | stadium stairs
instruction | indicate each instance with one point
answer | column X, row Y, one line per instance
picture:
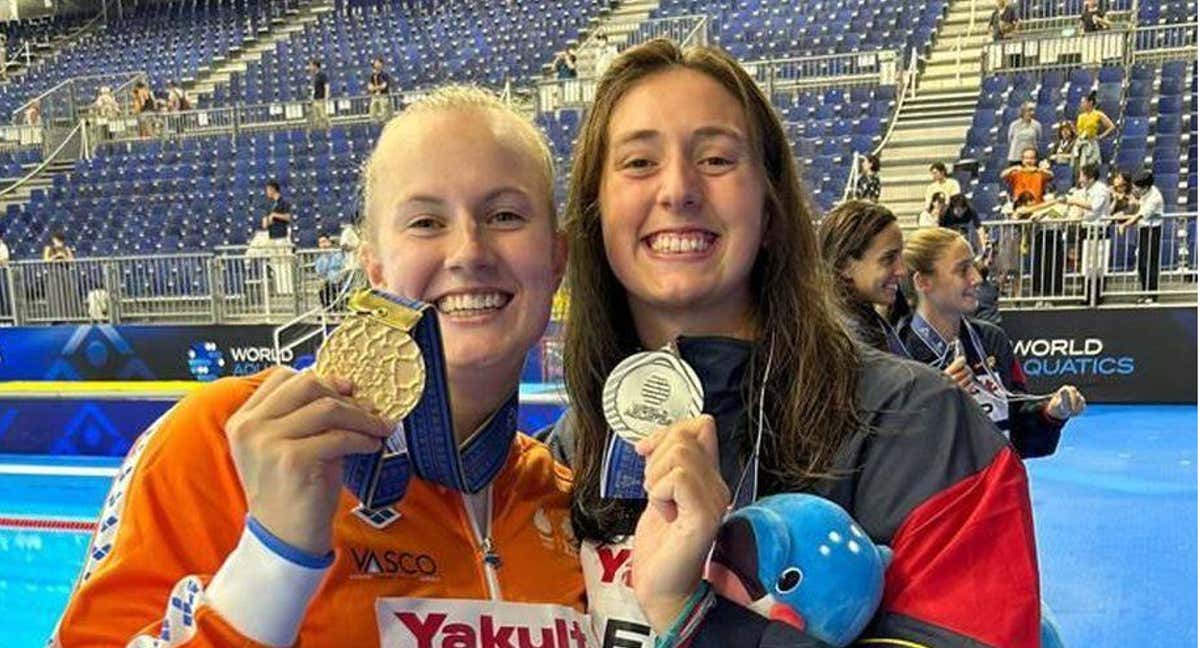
column 933, row 125
column 618, row 24
column 281, row 29
column 50, row 49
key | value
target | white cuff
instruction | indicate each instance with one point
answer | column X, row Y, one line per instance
column 262, row 594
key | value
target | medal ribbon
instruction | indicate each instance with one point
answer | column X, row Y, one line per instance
column 424, row 443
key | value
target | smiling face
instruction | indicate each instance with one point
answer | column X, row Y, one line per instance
column 681, row 196
column 876, row 276
column 464, row 221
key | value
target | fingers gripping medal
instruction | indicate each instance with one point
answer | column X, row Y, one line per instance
column 374, row 349
column 645, row 392
column 391, row 349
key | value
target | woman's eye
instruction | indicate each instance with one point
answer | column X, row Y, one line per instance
column 507, row 218
column 716, row 160
column 424, row 223
column 638, row 163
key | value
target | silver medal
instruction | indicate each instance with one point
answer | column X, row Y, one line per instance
column 650, row 390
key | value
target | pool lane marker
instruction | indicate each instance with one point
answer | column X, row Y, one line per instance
column 58, row 471
column 65, row 525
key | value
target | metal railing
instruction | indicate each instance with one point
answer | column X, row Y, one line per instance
column 880, row 67
column 75, row 134
column 1075, row 262
column 1069, row 25
column 909, row 79
column 1165, row 39
column 237, row 118
column 1088, row 50
column 72, row 98
column 556, row 94
column 269, row 285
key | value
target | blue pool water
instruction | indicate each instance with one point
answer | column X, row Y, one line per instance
column 1115, row 511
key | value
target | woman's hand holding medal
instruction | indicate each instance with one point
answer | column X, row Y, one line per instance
column 288, row 441
column 1065, row 403
column 688, row 500
column 959, row 372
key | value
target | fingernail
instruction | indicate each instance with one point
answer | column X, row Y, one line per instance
column 343, row 385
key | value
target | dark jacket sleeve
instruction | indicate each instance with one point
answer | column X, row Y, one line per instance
column 729, row 625
column 939, row 484
column 1032, row 431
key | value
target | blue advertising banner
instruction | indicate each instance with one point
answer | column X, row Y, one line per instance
column 204, row 353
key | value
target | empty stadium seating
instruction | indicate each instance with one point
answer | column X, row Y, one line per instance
column 760, row 29
column 168, row 40
column 481, row 42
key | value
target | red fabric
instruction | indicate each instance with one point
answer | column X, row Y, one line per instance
column 965, row 560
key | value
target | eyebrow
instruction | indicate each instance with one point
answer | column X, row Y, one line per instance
column 499, row 192
column 704, row 132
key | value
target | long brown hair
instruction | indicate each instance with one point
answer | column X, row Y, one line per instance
column 844, row 236
column 811, row 395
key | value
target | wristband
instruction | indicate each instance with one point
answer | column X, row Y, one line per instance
column 690, row 617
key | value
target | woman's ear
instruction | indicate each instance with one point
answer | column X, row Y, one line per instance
column 371, row 263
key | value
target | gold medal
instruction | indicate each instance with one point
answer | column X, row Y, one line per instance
column 373, row 349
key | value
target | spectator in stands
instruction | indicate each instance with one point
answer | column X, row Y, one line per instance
column 1148, row 220
column 1095, row 202
column 1093, row 18
column 144, row 106
column 33, row 113
column 319, row 115
column 942, row 183
column 868, row 187
column 177, row 99
column 379, row 86
column 329, row 267
column 934, row 210
column 278, row 221
column 1003, row 22
column 1063, row 150
column 1030, row 176
column 1123, row 201
column 606, row 51
column 564, row 64
column 961, row 217
column 1088, row 129
column 1025, row 132
column 106, row 106
column 57, row 249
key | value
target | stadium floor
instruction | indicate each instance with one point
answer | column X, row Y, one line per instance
column 1115, row 509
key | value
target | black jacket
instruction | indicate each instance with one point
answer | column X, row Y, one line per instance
column 1032, row 432
column 928, row 475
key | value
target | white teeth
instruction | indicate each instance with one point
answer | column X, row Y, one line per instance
column 681, row 244
column 471, row 302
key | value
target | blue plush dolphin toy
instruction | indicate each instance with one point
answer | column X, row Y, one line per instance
column 802, row 560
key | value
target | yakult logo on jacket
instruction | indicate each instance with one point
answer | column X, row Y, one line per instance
column 432, row 631
column 474, row 623
column 615, row 565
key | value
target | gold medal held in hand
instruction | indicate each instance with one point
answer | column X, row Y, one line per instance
column 373, row 349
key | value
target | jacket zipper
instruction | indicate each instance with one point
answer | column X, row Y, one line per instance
column 488, row 556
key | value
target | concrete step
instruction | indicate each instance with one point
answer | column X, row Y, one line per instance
column 253, row 49
column 970, row 52
column 906, row 123
column 896, row 156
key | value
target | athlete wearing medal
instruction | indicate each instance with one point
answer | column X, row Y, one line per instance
column 689, row 231
column 941, row 332
column 229, row 525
